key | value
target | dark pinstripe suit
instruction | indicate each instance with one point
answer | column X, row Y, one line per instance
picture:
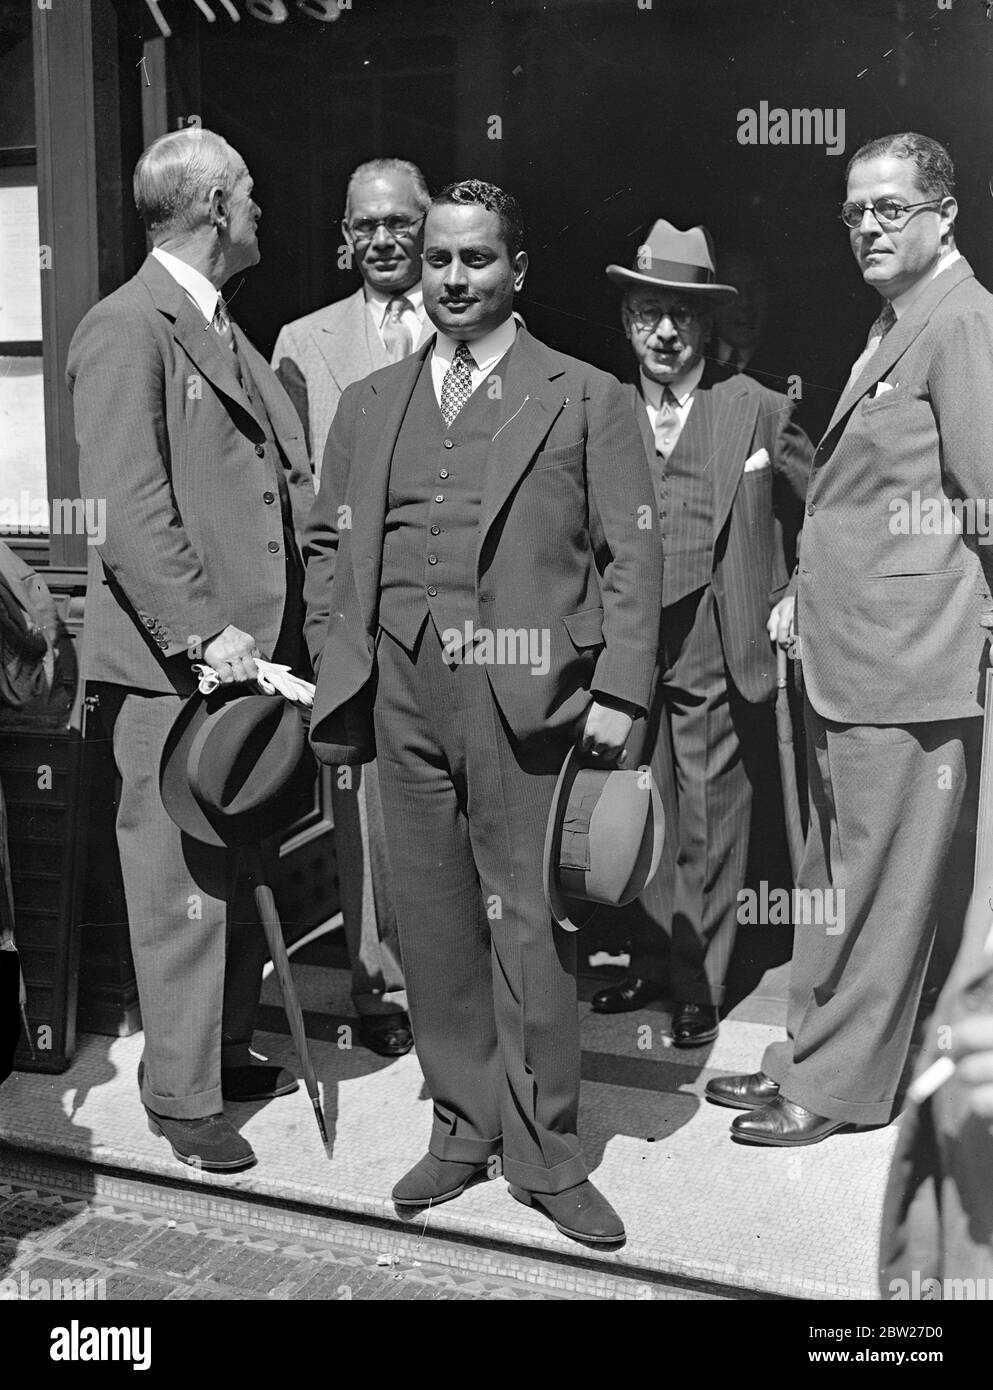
column 205, row 482
column 710, row 725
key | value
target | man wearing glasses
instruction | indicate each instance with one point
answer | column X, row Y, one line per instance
column 891, row 616
column 316, row 357
column 730, row 469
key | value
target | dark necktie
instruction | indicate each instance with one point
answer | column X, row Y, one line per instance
column 877, row 333
column 456, row 387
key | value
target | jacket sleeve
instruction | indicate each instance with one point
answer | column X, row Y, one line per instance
column 792, row 456
column 627, row 547
column 286, row 365
column 117, row 375
column 329, row 517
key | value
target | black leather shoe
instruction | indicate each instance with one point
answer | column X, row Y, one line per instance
column 387, row 1034
column 211, row 1143
column 257, row 1083
column 632, row 993
column 695, row 1024
column 784, row 1124
column 749, row 1092
column 433, row 1180
column 581, row 1212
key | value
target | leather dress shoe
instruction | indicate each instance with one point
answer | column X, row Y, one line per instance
column 632, row 993
column 581, row 1212
column 257, row 1083
column 783, row 1124
column 749, row 1092
column 211, row 1143
column 387, row 1034
column 695, row 1024
column 433, row 1180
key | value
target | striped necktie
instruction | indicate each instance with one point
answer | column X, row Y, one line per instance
column 667, row 426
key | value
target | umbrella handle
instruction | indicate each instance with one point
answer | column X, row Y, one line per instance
column 781, row 667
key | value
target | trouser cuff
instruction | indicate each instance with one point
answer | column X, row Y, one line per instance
column 534, row 1178
column 377, row 1005
column 195, row 1107
column 856, row 1112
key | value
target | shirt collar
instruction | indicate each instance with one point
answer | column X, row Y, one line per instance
column 383, row 301
column 197, row 286
column 903, row 301
column 485, row 351
column 681, row 389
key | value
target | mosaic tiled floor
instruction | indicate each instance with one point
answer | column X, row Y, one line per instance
column 697, row 1207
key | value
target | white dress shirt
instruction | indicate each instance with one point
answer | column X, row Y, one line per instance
column 486, row 353
column 412, row 319
column 197, row 286
column 903, row 301
column 682, row 389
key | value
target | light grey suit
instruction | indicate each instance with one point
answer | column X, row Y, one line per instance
column 315, row 358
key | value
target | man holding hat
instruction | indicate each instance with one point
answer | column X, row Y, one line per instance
column 729, row 468
column 483, row 587
column 187, row 434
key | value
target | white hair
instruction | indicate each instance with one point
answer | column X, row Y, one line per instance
column 389, row 167
column 175, row 175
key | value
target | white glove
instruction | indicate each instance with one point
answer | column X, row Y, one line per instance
column 272, row 680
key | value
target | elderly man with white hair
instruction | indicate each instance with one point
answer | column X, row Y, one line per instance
column 197, row 450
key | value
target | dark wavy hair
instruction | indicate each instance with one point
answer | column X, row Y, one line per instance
column 493, row 199
column 935, row 170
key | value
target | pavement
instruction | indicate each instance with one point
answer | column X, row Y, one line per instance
column 706, row 1218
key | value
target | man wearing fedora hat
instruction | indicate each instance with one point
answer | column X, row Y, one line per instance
column 729, row 468
column 486, row 488
column 187, row 434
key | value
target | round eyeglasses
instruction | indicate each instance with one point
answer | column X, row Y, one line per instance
column 365, row 228
column 887, row 211
column 647, row 317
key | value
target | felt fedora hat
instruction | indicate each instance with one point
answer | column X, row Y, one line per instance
column 603, row 842
column 235, row 767
column 669, row 259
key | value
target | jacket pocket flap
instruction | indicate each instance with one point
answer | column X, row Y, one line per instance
column 585, row 627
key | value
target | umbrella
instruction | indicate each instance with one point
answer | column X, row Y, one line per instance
column 787, row 764
column 266, row 904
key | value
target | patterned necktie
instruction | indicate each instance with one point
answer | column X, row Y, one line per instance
column 397, row 337
column 666, row 425
column 877, row 333
column 221, row 324
column 456, row 388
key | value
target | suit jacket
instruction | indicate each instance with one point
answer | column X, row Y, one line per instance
column 938, row 1209
column 317, row 356
column 757, row 514
column 889, row 621
column 568, row 545
column 168, row 438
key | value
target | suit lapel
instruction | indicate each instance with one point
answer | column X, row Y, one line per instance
column 733, row 411
column 345, row 342
column 644, row 424
column 907, row 327
column 369, row 482
column 528, row 410
column 282, row 416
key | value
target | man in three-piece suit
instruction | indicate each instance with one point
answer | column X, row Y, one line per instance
column 185, row 432
column 729, row 468
column 892, row 587
column 485, row 487
column 315, row 358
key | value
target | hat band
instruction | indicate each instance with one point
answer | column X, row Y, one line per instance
column 679, row 271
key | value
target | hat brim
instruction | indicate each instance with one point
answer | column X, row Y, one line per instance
column 179, row 791
column 572, row 914
column 713, row 294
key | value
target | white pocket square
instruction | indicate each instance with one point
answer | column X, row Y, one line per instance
column 757, row 461
column 881, row 386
